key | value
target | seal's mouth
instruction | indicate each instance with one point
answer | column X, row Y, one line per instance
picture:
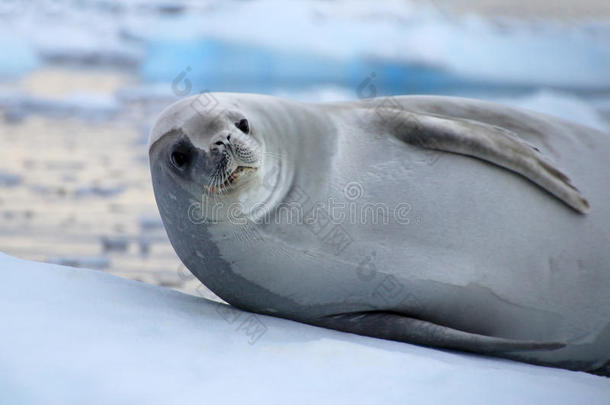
column 232, row 179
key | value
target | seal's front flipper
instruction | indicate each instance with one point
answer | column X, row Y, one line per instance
column 486, row 142
column 392, row 326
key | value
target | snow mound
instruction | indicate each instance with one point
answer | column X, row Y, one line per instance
column 74, row 336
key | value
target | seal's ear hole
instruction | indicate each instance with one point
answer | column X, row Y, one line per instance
column 179, row 159
column 243, row 126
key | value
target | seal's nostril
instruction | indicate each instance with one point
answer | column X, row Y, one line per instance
column 218, row 143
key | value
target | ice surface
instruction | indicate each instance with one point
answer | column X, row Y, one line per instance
column 74, row 336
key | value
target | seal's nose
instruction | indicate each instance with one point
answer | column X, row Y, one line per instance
column 220, row 142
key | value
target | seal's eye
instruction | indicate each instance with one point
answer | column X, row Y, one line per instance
column 180, row 159
column 243, row 126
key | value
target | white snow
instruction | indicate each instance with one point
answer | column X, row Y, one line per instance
column 75, row 336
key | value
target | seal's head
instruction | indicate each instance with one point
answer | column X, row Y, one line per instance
column 213, row 162
column 211, row 153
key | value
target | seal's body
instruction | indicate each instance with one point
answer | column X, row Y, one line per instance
column 438, row 221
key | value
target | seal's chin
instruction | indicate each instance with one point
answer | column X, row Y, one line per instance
column 238, row 176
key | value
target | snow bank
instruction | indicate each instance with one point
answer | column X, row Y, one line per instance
column 346, row 41
column 74, row 336
column 320, row 41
